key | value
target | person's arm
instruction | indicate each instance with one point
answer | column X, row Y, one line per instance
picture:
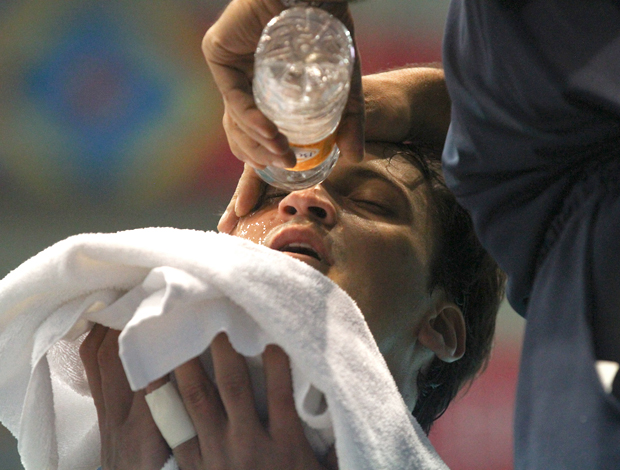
column 408, row 104
column 230, row 434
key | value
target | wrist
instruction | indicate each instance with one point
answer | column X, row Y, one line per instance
column 407, row 104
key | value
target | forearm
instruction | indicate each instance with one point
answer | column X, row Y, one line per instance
column 407, row 104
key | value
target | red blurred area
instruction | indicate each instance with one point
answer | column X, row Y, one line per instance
column 381, row 53
column 475, row 433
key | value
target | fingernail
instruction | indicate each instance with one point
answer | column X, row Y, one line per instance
column 288, row 160
column 237, row 208
column 277, row 149
column 279, row 145
column 224, row 216
column 267, row 133
column 224, row 225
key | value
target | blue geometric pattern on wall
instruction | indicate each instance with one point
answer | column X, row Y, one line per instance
column 90, row 86
column 108, row 101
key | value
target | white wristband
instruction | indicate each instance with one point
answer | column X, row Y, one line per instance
column 170, row 415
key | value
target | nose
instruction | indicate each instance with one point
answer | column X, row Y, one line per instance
column 314, row 203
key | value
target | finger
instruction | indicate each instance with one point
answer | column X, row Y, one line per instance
column 168, row 413
column 156, row 384
column 350, row 136
column 117, row 395
column 331, row 461
column 235, row 387
column 88, row 353
column 284, row 422
column 248, row 192
column 228, row 220
column 240, row 105
column 248, row 118
column 201, row 399
column 255, row 150
column 203, row 404
column 140, row 403
column 143, row 419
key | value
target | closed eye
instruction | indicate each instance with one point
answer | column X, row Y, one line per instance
column 373, row 194
column 379, row 208
column 270, row 196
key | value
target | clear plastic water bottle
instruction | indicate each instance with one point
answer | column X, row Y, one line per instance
column 302, row 75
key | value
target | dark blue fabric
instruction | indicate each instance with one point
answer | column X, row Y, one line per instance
column 533, row 153
column 564, row 419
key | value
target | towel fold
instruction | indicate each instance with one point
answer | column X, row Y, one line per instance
column 171, row 292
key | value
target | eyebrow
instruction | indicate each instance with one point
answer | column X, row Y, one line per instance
column 370, row 173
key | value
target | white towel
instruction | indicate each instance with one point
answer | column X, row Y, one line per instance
column 171, row 291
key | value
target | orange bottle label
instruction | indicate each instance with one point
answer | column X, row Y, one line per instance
column 311, row 155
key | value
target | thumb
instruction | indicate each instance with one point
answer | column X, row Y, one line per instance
column 350, row 138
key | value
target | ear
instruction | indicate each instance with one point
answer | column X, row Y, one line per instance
column 444, row 332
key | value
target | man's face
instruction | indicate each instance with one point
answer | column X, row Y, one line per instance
column 367, row 228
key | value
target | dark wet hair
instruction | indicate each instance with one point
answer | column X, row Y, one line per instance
column 469, row 277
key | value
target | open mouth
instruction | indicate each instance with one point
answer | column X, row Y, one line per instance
column 304, row 243
column 302, row 249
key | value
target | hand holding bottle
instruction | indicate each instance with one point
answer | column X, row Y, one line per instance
column 229, row 47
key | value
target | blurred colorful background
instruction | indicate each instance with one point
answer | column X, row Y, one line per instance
column 109, row 120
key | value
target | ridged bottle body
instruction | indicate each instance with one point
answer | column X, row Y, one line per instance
column 302, row 75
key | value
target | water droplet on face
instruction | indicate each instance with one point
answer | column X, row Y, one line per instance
column 255, row 231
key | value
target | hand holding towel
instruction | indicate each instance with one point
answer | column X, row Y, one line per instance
column 171, row 292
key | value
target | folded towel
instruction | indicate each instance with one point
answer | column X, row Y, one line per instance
column 171, row 292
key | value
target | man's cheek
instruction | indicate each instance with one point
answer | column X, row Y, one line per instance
column 256, row 228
